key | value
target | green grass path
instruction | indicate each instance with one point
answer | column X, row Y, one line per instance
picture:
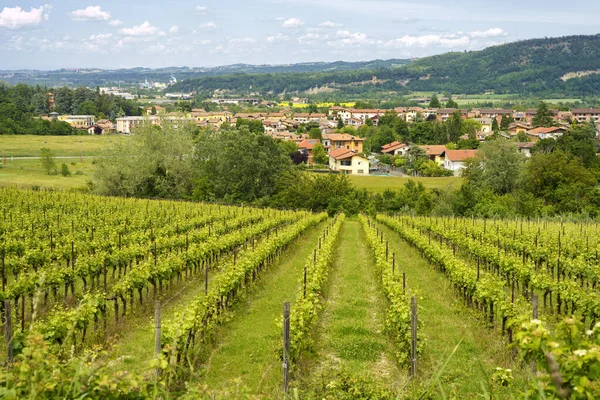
column 350, row 336
column 446, row 322
column 248, row 345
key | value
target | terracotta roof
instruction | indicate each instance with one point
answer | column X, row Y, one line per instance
column 459, row 155
column 341, row 154
column 495, row 111
column 525, row 145
column 434, row 150
column 537, row 131
column 308, row 144
column 392, row 146
column 586, row 111
column 342, row 137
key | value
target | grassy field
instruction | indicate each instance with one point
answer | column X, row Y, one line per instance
column 377, row 184
column 30, row 145
column 350, row 337
column 29, row 173
column 447, row 323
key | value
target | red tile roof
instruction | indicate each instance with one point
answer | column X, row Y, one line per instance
column 387, row 148
column 434, row 150
column 308, row 144
column 459, row 155
column 341, row 154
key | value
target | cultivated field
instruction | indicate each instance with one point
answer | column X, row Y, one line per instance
column 377, row 184
column 87, row 271
column 30, row 145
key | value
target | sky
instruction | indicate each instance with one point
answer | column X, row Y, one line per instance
column 162, row 33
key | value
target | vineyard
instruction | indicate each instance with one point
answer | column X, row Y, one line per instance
column 134, row 298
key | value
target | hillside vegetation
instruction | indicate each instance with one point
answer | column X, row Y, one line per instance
column 529, row 67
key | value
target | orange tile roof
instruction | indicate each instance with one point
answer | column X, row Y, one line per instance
column 434, row 150
column 341, row 153
column 308, row 144
column 392, row 146
column 459, row 155
column 342, row 137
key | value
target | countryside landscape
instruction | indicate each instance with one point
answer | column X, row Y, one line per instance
column 309, row 200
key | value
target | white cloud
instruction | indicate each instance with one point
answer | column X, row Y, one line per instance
column 329, row 24
column 452, row 40
column 207, row 26
column 116, row 22
column 90, row 13
column 201, row 9
column 242, row 41
column 292, row 23
column 492, row 32
column 279, row 37
column 16, row 17
column 309, row 38
column 140, row 30
column 352, row 38
column 174, row 29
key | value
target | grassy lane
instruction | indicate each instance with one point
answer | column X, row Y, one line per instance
column 350, row 336
column 446, row 323
column 248, row 345
column 72, row 145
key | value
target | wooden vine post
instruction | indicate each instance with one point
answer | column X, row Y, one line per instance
column 8, row 331
column 286, row 344
column 157, row 334
column 413, row 337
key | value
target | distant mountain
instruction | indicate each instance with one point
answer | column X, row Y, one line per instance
column 541, row 67
column 103, row 77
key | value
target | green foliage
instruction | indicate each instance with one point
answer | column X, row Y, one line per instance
column 48, row 161
column 543, row 116
column 315, row 133
column 435, row 102
column 451, row 103
column 319, row 154
column 254, row 125
column 64, row 170
column 238, row 165
column 568, row 358
column 154, row 162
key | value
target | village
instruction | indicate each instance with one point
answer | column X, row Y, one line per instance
column 345, row 152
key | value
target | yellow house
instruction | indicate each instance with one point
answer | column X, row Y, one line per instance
column 78, row 121
column 332, row 141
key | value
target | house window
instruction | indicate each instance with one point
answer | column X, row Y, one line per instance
column 346, row 163
column 360, row 171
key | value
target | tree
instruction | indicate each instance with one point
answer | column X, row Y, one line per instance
column 453, row 126
column 153, row 110
column 497, row 167
column 254, row 125
column 88, row 108
column 435, row 102
column 522, row 137
column 155, row 162
column 506, row 121
column 543, row 116
column 315, row 133
column 340, row 123
column 319, row 154
column 495, row 127
column 40, row 103
column 312, row 108
column 64, row 170
column 238, row 165
column 48, row 161
column 451, row 103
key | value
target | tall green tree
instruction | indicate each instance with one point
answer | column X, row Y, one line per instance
column 435, row 102
column 451, row 103
column 495, row 127
column 543, row 116
column 48, row 160
column 319, row 154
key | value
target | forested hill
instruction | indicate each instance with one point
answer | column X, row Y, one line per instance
column 131, row 76
column 552, row 66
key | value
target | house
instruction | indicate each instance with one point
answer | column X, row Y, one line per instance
column 395, row 148
column 102, row 127
column 434, row 152
column 454, row 159
column 79, row 121
column 248, row 101
column 496, row 113
column 525, row 148
column 443, row 114
column 348, row 162
column 343, row 140
column 479, row 135
column 586, row 114
column 126, row 124
column 306, row 146
column 553, row 132
column 516, row 127
column 158, row 109
column 486, row 124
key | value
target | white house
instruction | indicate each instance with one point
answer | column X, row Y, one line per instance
column 126, row 124
column 486, row 124
column 348, row 162
column 525, row 148
column 395, row 149
column 454, row 160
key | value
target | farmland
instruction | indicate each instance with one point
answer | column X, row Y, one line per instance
column 87, row 272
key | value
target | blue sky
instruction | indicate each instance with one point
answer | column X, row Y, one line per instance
column 151, row 33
